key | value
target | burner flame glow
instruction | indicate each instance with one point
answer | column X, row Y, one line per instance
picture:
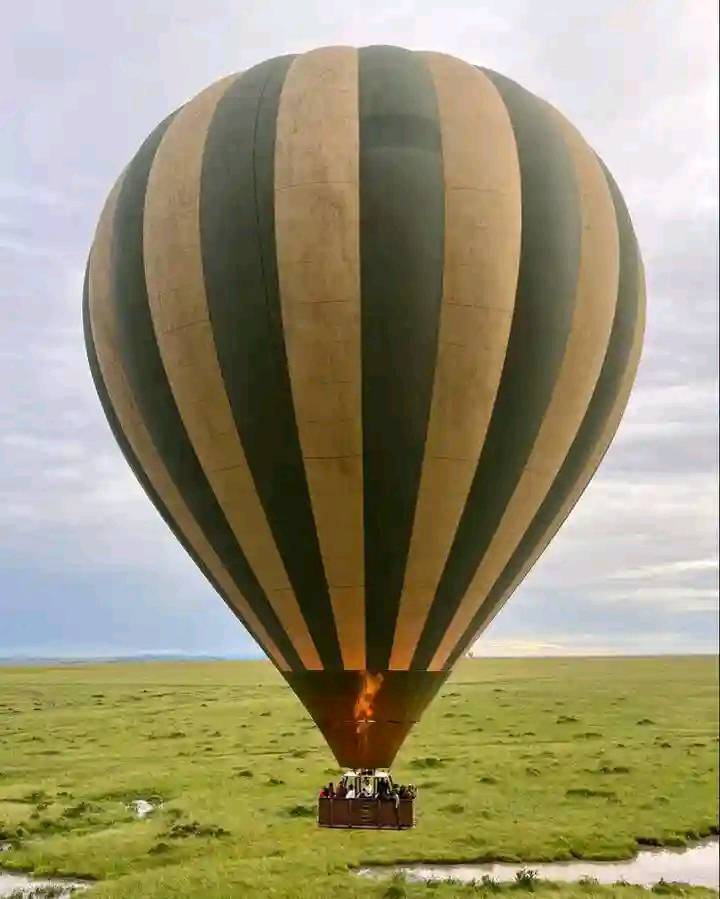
column 363, row 711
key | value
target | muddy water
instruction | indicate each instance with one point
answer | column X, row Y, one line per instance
column 14, row 884
column 696, row 865
column 142, row 807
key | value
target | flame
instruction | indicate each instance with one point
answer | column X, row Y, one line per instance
column 363, row 711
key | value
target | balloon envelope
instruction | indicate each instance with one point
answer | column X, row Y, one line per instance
column 364, row 323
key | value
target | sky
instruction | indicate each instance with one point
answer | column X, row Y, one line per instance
column 86, row 565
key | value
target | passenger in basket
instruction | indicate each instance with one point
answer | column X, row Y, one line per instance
column 350, row 793
column 367, row 788
column 341, row 792
column 395, row 796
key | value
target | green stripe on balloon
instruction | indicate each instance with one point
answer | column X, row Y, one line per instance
column 153, row 396
column 129, row 454
column 590, row 432
column 542, row 320
column 237, row 226
column 402, row 227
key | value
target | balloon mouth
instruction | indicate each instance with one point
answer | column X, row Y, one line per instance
column 365, row 715
column 362, row 728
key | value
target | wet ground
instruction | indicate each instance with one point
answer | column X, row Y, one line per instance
column 31, row 888
column 696, row 865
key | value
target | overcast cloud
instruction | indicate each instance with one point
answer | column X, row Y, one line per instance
column 86, row 565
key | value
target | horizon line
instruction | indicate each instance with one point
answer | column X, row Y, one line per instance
column 158, row 656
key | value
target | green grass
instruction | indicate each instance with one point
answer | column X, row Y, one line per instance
column 516, row 760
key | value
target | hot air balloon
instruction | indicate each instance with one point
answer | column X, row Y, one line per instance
column 364, row 323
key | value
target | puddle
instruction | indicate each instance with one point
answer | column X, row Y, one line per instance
column 17, row 885
column 143, row 808
column 696, row 865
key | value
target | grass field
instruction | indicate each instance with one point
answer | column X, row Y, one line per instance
column 516, row 759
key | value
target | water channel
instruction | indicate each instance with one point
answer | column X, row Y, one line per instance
column 696, row 865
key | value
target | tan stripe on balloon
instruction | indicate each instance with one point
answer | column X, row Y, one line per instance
column 104, row 336
column 317, row 240
column 181, row 319
column 592, row 464
column 482, row 254
column 595, row 301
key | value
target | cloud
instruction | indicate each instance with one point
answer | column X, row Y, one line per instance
column 683, row 599
column 586, row 644
column 34, row 195
column 666, row 569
